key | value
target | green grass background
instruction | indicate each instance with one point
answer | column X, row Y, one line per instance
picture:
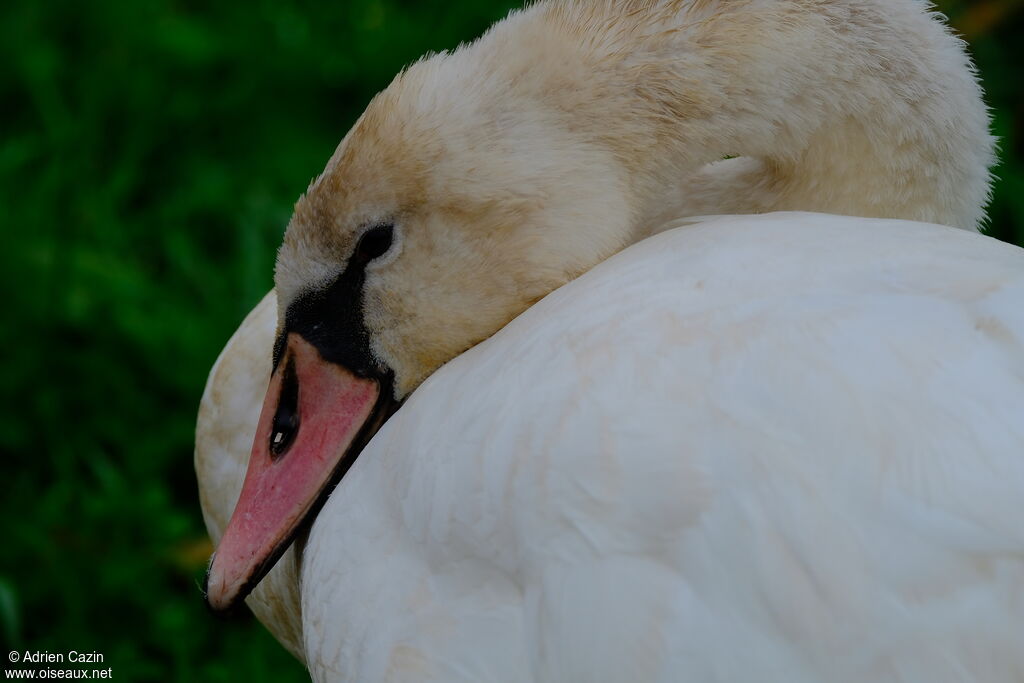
column 149, row 156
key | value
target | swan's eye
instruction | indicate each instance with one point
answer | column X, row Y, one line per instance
column 375, row 242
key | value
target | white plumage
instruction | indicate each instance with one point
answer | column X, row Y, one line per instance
column 786, row 447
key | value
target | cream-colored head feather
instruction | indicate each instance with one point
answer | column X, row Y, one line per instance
column 513, row 164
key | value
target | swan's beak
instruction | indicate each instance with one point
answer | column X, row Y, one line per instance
column 316, row 417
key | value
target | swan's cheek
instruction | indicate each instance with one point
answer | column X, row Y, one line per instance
column 410, row 335
column 417, row 324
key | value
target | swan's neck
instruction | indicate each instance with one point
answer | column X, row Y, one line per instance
column 861, row 107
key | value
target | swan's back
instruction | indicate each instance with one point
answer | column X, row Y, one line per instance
column 786, row 447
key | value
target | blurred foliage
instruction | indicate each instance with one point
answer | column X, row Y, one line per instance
column 150, row 156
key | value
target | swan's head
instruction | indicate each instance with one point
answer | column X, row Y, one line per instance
column 455, row 202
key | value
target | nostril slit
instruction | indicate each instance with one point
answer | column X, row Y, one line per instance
column 286, row 418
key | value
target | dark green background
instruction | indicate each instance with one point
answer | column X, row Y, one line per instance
column 150, row 154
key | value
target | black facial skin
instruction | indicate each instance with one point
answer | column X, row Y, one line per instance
column 331, row 318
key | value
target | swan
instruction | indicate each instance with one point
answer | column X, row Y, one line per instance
column 600, row 121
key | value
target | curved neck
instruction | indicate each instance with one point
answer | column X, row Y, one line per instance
column 862, row 107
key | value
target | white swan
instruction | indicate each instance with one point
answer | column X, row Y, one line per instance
column 483, row 179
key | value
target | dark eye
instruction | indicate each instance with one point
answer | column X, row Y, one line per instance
column 375, row 242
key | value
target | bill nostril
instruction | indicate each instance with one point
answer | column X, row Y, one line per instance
column 286, row 419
